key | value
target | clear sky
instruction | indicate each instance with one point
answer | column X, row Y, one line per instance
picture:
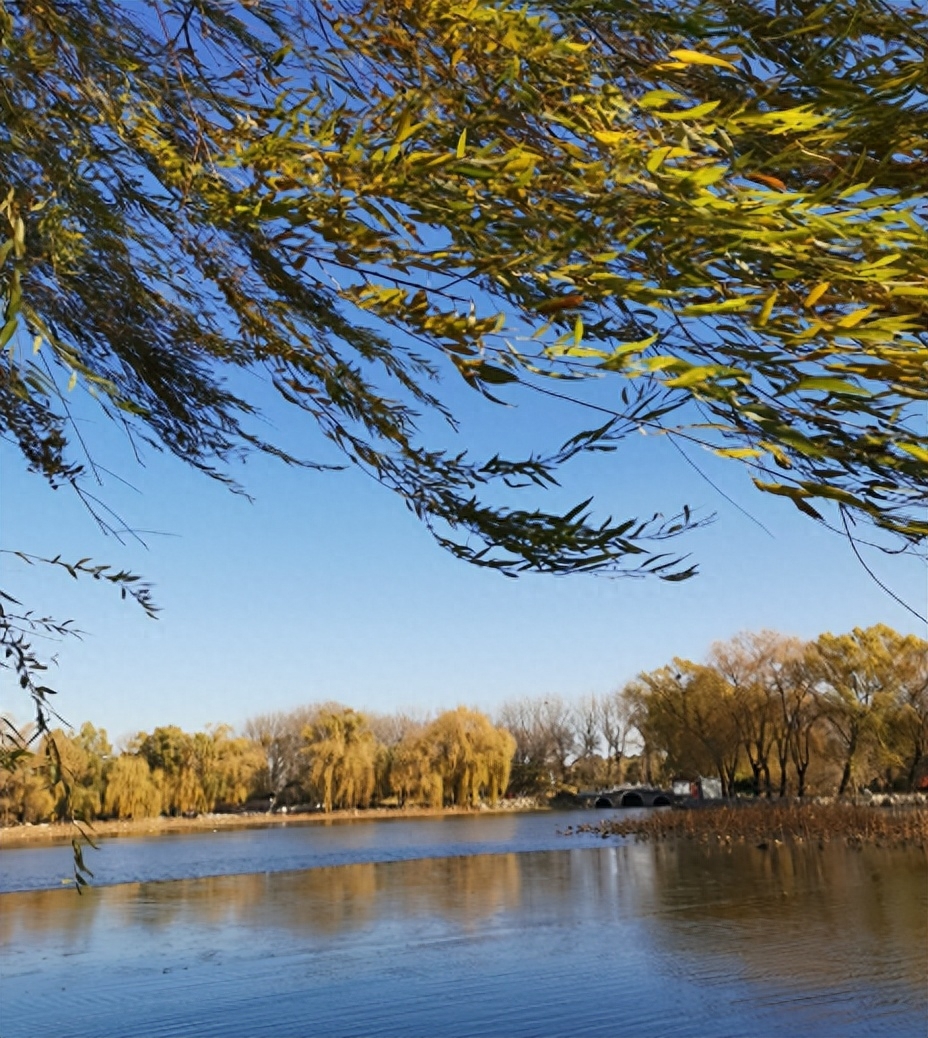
column 326, row 587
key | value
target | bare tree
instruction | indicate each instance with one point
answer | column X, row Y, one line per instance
column 557, row 724
column 586, row 726
column 280, row 735
column 615, row 725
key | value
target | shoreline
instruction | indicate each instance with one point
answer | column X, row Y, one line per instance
column 65, row 832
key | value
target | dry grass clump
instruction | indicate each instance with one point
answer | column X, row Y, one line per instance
column 764, row 824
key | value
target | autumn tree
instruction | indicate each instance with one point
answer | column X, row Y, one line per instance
column 748, row 664
column 131, row 789
column 799, row 716
column 342, row 752
column 471, row 757
column 77, row 765
column 226, row 766
column 171, row 755
column 684, row 711
column 854, row 687
column 909, row 718
column 25, row 794
column 413, row 775
column 396, row 774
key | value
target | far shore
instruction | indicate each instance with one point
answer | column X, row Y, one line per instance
column 64, row 832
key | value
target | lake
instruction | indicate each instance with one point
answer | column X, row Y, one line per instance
column 476, row 925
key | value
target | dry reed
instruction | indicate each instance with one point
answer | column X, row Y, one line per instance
column 765, row 823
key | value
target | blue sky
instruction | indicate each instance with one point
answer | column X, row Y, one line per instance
column 326, row 587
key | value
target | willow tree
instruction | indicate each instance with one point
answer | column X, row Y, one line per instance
column 131, row 789
column 173, row 757
column 342, row 752
column 696, row 219
column 412, row 774
column 471, row 757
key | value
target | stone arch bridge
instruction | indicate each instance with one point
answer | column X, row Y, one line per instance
column 627, row 796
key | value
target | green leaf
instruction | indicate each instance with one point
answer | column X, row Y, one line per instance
column 826, row 384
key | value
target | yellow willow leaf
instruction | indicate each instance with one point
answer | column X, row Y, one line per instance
column 462, row 144
column 72, row 381
column 707, row 176
column 852, row 320
column 816, row 294
column 693, row 377
column 579, row 351
column 609, row 136
column 738, row 452
column 690, row 113
column 660, row 155
column 653, row 98
column 696, row 57
column 723, row 307
column 662, row 363
column 882, row 262
column 616, row 359
column 578, row 330
column 767, row 309
column 907, row 290
column 920, row 453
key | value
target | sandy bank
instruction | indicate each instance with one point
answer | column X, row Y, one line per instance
column 58, row 832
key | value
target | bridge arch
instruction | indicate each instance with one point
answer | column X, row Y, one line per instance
column 661, row 801
column 603, row 802
column 632, row 800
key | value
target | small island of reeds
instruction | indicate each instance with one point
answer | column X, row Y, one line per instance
column 767, row 824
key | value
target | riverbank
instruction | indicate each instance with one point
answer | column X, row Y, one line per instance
column 64, row 832
column 768, row 824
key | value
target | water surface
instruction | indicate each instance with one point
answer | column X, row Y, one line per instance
column 281, row 848
column 605, row 938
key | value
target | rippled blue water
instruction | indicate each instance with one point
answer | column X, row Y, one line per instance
column 390, row 938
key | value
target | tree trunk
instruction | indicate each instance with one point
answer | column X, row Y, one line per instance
column 845, row 777
column 755, row 776
column 783, row 761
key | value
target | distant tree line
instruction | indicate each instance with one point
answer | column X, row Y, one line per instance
column 765, row 713
column 775, row 715
column 325, row 757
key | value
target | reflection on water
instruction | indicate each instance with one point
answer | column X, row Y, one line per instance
column 328, row 901
column 282, row 848
column 629, row 939
column 782, row 912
